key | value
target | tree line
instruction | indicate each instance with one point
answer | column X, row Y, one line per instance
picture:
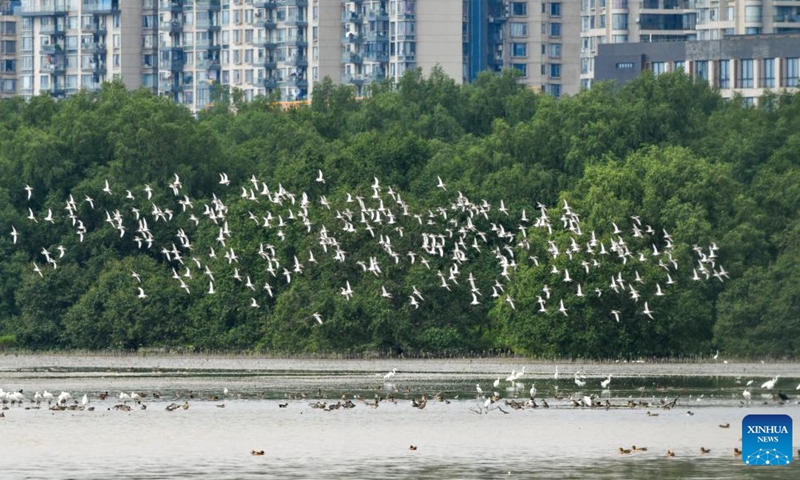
column 665, row 149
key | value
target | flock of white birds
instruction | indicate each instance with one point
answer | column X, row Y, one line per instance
column 447, row 239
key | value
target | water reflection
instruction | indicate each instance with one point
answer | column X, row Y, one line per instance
column 456, row 438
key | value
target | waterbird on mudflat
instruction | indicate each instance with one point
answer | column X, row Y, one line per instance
column 770, row 384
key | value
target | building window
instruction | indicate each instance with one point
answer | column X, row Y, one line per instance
column 520, row 67
column 555, row 50
column 625, row 66
column 555, row 9
column 745, row 74
column 9, row 86
column 519, row 29
column 768, row 79
column 619, row 21
column 555, row 70
column 8, row 66
column 791, row 72
column 519, row 49
column 659, row 68
column 555, row 89
column 701, row 69
column 724, row 74
column 587, row 23
column 519, row 8
column 555, row 29
column 679, row 65
column 752, row 13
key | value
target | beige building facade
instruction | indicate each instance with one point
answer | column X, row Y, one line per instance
column 634, row 21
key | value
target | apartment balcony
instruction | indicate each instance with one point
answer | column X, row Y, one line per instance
column 206, row 25
column 204, row 5
column 355, row 79
column 501, row 18
column 170, row 6
column 93, row 47
column 355, row 38
column 405, row 57
column 297, row 61
column 58, row 67
column 208, row 64
column 376, row 36
column 349, row 57
column 377, row 16
column 93, row 28
column 51, row 48
column 171, row 46
column 296, row 21
column 44, row 8
column 376, row 56
column 266, row 43
column 352, row 17
column 171, row 26
column 267, row 4
column 173, row 65
column 100, row 7
column 52, row 29
column 787, row 19
column 268, row 83
column 377, row 76
column 268, row 63
column 265, row 23
column 58, row 91
column 293, row 3
column 169, row 87
column 296, row 82
column 297, row 41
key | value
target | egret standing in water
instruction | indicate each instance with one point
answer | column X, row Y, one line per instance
column 389, row 375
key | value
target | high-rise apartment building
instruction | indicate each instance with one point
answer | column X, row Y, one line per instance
column 8, row 49
column 67, row 45
column 187, row 49
column 634, row 21
column 541, row 40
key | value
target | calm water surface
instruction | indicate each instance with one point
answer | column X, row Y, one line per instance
column 457, row 438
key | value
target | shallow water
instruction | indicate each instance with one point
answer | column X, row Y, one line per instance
column 458, row 438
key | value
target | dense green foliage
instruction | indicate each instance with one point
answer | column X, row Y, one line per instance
column 665, row 149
